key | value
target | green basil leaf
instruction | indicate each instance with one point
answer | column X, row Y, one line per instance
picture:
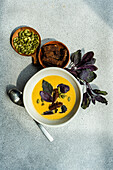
column 47, row 87
column 76, row 57
column 85, row 101
column 97, row 91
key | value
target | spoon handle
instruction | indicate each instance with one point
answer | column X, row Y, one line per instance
column 44, row 131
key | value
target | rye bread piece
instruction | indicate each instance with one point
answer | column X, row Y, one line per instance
column 50, row 47
column 53, row 54
column 51, row 61
column 63, row 54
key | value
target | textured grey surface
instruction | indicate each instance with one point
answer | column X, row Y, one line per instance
column 86, row 143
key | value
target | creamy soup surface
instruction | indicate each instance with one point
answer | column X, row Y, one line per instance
column 68, row 99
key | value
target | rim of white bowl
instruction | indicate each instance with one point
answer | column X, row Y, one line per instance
column 78, row 84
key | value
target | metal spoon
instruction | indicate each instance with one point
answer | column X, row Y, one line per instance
column 17, row 97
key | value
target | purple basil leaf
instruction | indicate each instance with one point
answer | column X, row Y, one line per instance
column 89, row 91
column 89, row 86
column 72, row 71
column 46, row 96
column 78, row 72
column 48, row 113
column 85, row 101
column 76, row 57
column 101, row 99
column 80, row 81
column 63, row 109
column 73, row 68
column 91, row 67
column 87, row 75
column 63, row 88
column 91, row 94
column 47, row 87
column 86, row 58
column 96, row 91
column 93, row 100
column 92, row 61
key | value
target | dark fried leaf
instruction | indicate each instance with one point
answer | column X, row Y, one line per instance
column 87, row 75
column 63, row 88
column 76, row 57
column 85, row 101
column 46, row 96
column 63, row 109
column 91, row 67
column 86, row 58
column 101, row 99
column 55, row 94
column 47, row 87
column 56, row 105
column 48, row 113
column 97, row 91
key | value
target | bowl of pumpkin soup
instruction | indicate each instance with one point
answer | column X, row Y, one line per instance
column 52, row 96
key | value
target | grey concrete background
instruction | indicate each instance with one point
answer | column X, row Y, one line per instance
column 86, row 143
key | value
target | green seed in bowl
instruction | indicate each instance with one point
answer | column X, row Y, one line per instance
column 26, row 31
column 26, row 42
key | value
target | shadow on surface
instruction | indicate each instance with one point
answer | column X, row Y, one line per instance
column 103, row 8
column 30, row 70
column 9, row 87
column 47, row 40
column 26, row 74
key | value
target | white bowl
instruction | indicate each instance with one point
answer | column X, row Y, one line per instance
column 27, row 95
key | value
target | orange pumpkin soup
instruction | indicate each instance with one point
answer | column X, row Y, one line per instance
column 53, row 97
